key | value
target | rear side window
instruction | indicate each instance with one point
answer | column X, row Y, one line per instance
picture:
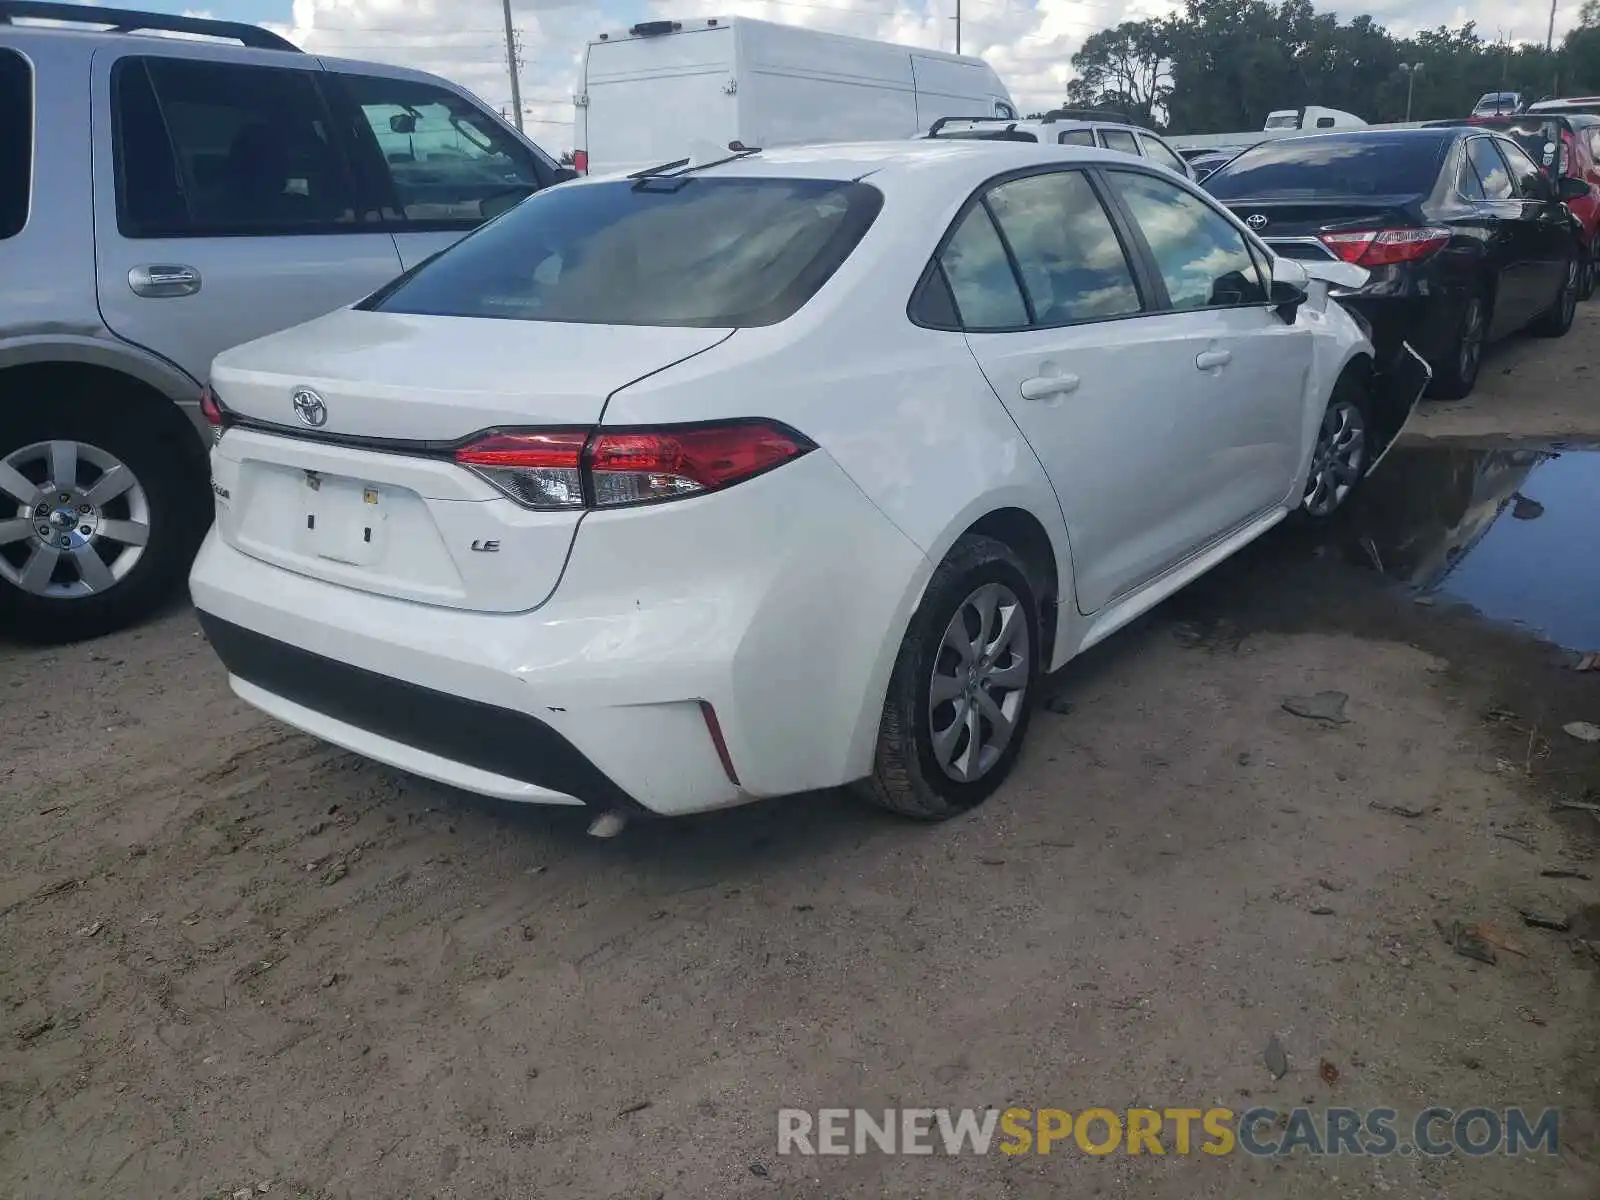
column 207, row 149
column 694, row 251
column 1077, row 137
column 1491, row 168
column 981, row 280
column 16, row 141
column 1371, row 164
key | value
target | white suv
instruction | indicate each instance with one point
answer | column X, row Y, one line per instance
column 162, row 199
column 1068, row 127
column 768, row 474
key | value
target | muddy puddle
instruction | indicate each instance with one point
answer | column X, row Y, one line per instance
column 1511, row 530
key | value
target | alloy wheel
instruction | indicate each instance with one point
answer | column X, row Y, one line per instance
column 979, row 683
column 79, row 519
column 1337, row 462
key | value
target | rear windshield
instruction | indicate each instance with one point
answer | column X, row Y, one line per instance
column 696, row 250
column 1333, row 164
column 16, row 141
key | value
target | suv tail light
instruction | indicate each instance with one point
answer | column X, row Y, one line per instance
column 1565, row 167
column 1384, row 247
column 210, row 409
column 611, row 468
column 580, row 161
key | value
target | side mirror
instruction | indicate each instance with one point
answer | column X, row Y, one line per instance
column 403, row 123
column 564, row 174
column 1289, row 284
column 1572, row 189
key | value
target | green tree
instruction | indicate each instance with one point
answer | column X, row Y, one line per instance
column 1126, row 68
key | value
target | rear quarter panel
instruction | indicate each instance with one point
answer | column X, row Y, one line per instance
column 903, row 410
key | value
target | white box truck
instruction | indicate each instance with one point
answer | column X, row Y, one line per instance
column 660, row 90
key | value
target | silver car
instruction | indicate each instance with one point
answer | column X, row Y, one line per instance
column 163, row 199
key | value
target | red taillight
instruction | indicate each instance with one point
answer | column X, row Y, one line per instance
column 567, row 469
column 211, row 410
column 1565, row 168
column 539, row 469
column 1384, row 247
column 580, row 161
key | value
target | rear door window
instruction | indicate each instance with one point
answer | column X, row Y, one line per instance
column 16, row 142
column 1072, row 263
column 1491, row 168
column 1077, row 137
column 435, row 159
column 1202, row 257
column 1524, row 174
column 207, row 149
column 717, row 252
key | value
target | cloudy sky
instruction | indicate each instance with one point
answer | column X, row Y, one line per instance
column 1027, row 41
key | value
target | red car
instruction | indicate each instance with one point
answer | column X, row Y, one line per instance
column 1580, row 159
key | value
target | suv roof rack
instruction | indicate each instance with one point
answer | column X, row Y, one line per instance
column 124, row 20
column 1091, row 114
column 1010, row 124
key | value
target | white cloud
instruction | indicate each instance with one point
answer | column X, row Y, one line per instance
column 1029, row 42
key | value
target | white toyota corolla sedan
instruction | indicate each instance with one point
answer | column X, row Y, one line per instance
column 777, row 472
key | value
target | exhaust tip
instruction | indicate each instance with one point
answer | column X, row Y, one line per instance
column 608, row 825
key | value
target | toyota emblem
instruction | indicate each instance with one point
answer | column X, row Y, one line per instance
column 1256, row 221
column 310, row 408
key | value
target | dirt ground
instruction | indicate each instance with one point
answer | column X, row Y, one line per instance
column 231, row 956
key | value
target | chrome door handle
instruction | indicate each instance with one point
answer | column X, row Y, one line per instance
column 1043, row 387
column 159, row 280
column 1210, row 360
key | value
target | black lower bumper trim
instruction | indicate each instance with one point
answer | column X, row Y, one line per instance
column 485, row 736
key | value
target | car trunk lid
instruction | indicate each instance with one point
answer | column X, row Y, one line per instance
column 1285, row 223
column 339, row 467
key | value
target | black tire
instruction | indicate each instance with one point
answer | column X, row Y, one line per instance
column 1586, row 278
column 907, row 777
column 1557, row 319
column 168, row 461
column 1349, row 408
column 1455, row 373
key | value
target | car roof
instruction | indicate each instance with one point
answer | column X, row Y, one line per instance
column 959, row 160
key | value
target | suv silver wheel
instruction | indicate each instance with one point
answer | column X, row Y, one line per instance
column 80, row 524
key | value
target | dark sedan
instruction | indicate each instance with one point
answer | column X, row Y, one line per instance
column 1466, row 238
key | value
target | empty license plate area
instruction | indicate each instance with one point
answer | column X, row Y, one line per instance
column 345, row 520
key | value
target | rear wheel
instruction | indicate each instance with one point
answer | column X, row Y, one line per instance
column 1456, row 372
column 960, row 698
column 99, row 519
column 1586, row 273
column 1558, row 317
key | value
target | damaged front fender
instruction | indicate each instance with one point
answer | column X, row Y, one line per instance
column 1394, row 390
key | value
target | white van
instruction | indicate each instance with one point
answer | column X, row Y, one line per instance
column 649, row 94
column 1312, row 116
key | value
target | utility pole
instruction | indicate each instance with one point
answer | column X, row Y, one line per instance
column 1550, row 33
column 511, row 65
column 1411, row 70
column 958, row 26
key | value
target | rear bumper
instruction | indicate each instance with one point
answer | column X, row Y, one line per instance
column 780, row 604
column 1428, row 323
